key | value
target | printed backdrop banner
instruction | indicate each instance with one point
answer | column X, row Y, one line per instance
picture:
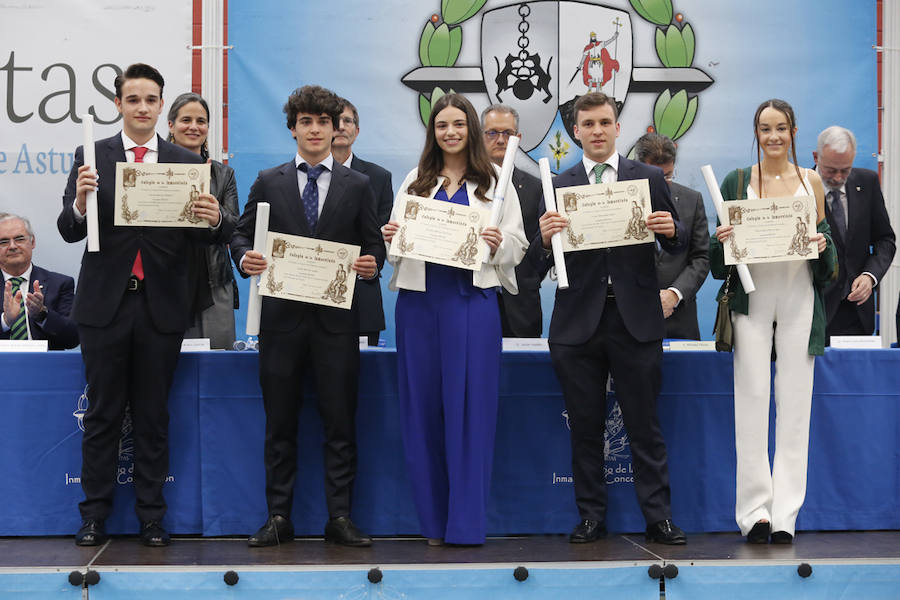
column 59, row 60
column 692, row 69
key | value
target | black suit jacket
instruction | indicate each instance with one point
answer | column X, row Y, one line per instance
column 688, row 270
column 348, row 216
column 367, row 294
column 577, row 311
column 166, row 252
column 58, row 329
column 869, row 244
column 522, row 313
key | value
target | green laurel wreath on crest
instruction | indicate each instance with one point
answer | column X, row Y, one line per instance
column 441, row 41
column 673, row 114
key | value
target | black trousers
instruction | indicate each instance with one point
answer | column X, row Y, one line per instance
column 846, row 321
column 285, row 360
column 636, row 369
column 128, row 362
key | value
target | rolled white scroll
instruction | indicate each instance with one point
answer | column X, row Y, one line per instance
column 93, row 224
column 509, row 161
column 719, row 203
column 562, row 277
column 260, row 234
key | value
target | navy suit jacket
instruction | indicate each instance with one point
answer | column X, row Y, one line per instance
column 167, row 253
column 869, row 245
column 58, row 329
column 367, row 294
column 577, row 311
column 348, row 216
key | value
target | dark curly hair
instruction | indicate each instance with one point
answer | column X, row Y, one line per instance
column 313, row 100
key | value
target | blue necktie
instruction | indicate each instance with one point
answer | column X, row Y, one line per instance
column 837, row 214
column 18, row 330
column 310, row 196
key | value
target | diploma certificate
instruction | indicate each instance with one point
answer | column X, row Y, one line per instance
column 771, row 230
column 605, row 215
column 440, row 232
column 309, row 270
column 159, row 194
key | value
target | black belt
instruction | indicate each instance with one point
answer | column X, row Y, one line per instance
column 135, row 284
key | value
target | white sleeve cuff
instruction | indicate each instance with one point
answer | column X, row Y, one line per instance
column 677, row 293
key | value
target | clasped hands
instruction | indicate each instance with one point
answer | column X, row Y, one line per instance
column 34, row 302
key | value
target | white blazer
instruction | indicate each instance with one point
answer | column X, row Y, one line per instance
column 409, row 273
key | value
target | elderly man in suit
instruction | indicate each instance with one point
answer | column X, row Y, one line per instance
column 680, row 275
column 297, row 339
column 30, row 292
column 610, row 322
column 367, row 294
column 134, row 302
column 520, row 315
column 854, row 207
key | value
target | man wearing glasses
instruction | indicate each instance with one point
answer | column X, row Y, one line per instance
column 861, row 230
column 680, row 275
column 42, row 297
column 520, row 315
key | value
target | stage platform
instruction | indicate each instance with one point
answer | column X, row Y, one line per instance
column 712, row 565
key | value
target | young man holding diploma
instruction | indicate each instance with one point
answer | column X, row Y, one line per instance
column 610, row 322
column 133, row 305
column 312, row 195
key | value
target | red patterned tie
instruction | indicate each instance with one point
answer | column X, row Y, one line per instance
column 137, row 269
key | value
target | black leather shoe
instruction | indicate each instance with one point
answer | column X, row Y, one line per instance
column 666, row 532
column 782, row 537
column 341, row 530
column 276, row 531
column 153, row 535
column 587, row 531
column 759, row 533
column 92, row 533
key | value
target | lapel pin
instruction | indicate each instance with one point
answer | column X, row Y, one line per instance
column 858, row 189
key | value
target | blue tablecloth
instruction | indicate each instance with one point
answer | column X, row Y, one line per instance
column 216, row 482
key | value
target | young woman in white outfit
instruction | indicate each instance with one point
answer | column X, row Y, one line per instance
column 788, row 294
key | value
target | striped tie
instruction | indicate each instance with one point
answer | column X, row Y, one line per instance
column 598, row 171
column 19, row 330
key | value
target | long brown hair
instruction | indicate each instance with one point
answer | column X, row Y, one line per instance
column 479, row 168
column 785, row 109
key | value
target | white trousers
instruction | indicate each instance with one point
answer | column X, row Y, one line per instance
column 783, row 296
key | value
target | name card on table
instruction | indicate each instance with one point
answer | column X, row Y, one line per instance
column 195, row 345
column 23, row 345
column 677, row 345
column 525, row 345
column 856, row 342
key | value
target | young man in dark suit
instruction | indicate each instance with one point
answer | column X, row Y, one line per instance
column 46, row 297
column 680, row 275
column 367, row 294
column 854, row 207
column 311, row 195
column 610, row 322
column 520, row 314
column 133, row 304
